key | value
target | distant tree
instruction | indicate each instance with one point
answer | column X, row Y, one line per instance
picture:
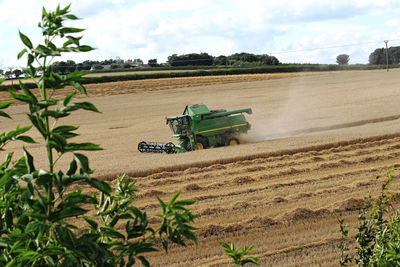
column 138, row 61
column 59, row 67
column 243, row 58
column 193, row 59
column 127, row 65
column 342, row 59
column 98, row 67
column 71, row 66
column 17, row 73
column 1, row 72
column 378, row 57
column 114, row 66
column 220, row 60
column 266, row 59
column 8, row 74
column 107, row 62
column 152, row 62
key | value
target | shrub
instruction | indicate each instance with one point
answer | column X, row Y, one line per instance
column 238, row 254
column 378, row 236
column 39, row 210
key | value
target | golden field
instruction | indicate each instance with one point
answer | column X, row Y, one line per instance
column 316, row 141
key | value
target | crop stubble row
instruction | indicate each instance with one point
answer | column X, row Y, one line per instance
column 285, row 205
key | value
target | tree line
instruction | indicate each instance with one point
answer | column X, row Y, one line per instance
column 377, row 57
column 237, row 59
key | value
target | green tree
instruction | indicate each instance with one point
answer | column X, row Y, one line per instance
column 193, row 59
column 152, row 62
column 378, row 57
column 17, row 73
column 39, row 209
column 342, row 59
column 220, row 60
column 8, row 74
column 243, row 58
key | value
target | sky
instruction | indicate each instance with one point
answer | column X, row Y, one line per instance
column 294, row 31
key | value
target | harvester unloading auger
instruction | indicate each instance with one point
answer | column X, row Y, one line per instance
column 199, row 128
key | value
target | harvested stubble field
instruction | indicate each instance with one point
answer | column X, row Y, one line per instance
column 316, row 142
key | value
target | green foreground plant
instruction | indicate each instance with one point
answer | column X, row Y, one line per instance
column 378, row 236
column 39, row 209
column 238, row 254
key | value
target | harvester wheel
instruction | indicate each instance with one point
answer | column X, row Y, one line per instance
column 201, row 143
column 232, row 141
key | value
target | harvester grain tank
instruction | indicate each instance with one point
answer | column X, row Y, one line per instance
column 199, row 128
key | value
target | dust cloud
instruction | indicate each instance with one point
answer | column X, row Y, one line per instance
column 287, row 119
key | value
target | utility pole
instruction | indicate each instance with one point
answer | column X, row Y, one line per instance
column 387, row 56
column 12, row 80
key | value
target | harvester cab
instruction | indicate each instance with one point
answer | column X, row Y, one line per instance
column 199, row 128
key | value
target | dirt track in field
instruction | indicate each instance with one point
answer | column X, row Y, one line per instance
column 315, row 144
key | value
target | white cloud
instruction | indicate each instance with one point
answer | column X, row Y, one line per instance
column 158, row 28
column 393, row 23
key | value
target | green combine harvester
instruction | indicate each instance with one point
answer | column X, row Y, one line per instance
column 199, row 128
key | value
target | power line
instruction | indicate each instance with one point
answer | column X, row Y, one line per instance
column 330, row 47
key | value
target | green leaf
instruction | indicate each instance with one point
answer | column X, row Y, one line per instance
column 74, row 198
column 144, row 261
column 25, row 40
column 85, row 48
column 13, row 134
column 5, row 104
column 65, row 128
column 53, row 114
column 90, row 221
column 83, row 162
column 75, row 75
column 72, row 167
column 29, row 161
column 78, row 87
column 31, row 58
column 27, row 92
column 26, row 139
column 110, row 232
column 3, row 114
column 67, row 212
column 82, row 146
column 23, row 98
column 162, row 204
column 80, row 105
column 44, row 178
column 68, row 98
column 100, row 185
column 171, row 202
column 71, row 17
column 20, row 54
column 67, row 30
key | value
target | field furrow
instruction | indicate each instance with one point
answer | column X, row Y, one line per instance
column 290, row 201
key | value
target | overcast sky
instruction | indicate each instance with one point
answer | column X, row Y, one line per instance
column 295, row 31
